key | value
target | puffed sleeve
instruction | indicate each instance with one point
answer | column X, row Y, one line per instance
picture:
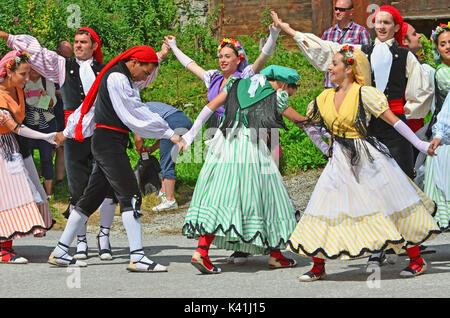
column 374, row 101
column 208, row 76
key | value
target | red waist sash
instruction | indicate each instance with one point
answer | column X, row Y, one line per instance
column 112, row 128
column 67, row 113
column 396, row 106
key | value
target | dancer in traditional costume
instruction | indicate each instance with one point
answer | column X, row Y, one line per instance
column 363, row 203
column 118, row 110
column 437, row 169
column 395, row 72
column 240, row 202
column 23, row 201
column 233, row 62
column 75, row 76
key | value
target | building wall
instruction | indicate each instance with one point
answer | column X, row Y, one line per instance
column 238, row 17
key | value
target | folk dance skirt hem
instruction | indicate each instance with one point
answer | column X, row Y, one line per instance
column 240, row 197
column 355, row 211
column 23, row 206
column 437, row 184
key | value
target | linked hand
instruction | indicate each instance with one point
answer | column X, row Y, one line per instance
column 59, row 138
column 4, row 35
column 434, row 144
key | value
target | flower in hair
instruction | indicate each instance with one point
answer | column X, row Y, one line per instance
column 436, row 32
column 347, row 52
column 21, row 56
column 236, row 45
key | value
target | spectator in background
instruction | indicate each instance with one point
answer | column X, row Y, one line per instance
column 64, row 49
column 345, row 31
column 180, row 123
column 39, row 99
column 411, row 41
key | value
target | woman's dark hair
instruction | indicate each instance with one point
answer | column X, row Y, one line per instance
column 231, row 47
column 295, row 86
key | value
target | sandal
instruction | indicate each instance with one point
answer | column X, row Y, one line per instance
column 310, row 276
column 281, row 262
column 8, row 256
column 203, row 264
column 106, row 253
column 53, row 260
column 81, row 254
column 150, row 267
column 409, row 271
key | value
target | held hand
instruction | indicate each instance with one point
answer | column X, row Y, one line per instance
column 430, row 151
column 4, row 35
column 138, row 143
column 183, row 145
column 280, row 24
column 435, row 143
column 165, row 50
column 59, row 138
column 274, row 29
column 170, row 39
column 43, row 92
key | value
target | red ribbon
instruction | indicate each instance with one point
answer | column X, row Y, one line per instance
column 142, row 53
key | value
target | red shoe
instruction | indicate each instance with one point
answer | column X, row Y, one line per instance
column 281, row 262
column 8, row 256
column 203, row 264
column 414, row 268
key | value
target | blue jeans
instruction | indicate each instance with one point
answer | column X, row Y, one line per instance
column 45, row 150
column 180, row 123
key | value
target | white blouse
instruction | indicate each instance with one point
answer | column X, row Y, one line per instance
column 129, row 108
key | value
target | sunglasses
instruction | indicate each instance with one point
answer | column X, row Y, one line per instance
column 341, row 9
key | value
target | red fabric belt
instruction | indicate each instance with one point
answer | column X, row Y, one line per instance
column 112, row 128
column 67, row 113
column 415, row 124
column 396, row 106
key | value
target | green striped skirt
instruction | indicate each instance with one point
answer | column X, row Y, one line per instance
column 437, row 184
column 240, row 197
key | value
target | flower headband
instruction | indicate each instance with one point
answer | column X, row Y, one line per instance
column 21, row 56
column 436, row 32
column 236, row 45
column 347, row 52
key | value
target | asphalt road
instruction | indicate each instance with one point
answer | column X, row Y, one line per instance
column 110, row 279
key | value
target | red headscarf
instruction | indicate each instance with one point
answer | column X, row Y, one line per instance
column 403, row 32
column 142, row 53
column 98, row 52
column 397, row 18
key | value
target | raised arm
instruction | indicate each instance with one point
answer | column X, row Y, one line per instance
column 267, row 49
column 47, row 63
column 318, row 52
column 185, row 60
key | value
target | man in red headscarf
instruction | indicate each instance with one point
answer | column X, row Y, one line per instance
column 75, row 76
column 118, row 110
column 397, row 73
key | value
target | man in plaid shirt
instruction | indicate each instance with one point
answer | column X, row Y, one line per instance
column 345, row 31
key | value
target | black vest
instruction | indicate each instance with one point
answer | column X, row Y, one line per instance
column 262, row 114
column 396, row 86
column 72, row 89
column 104, row 110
